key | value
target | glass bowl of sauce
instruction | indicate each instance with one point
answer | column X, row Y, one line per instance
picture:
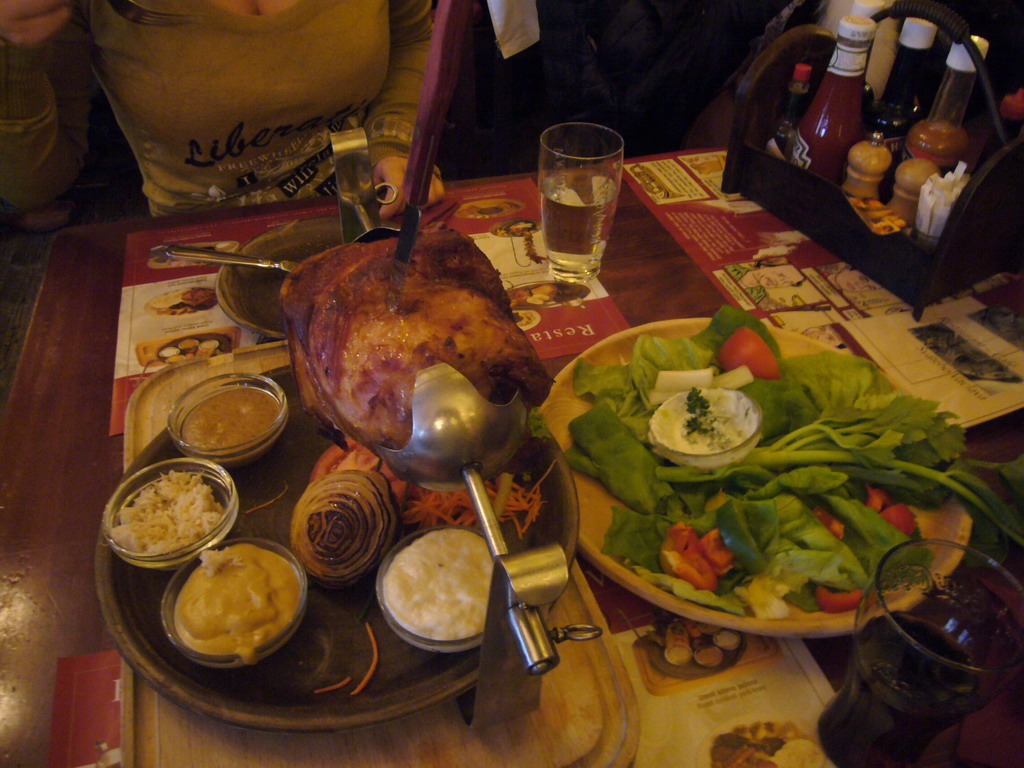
column 164, row 514
column 433, row 586
column 235, row 604
column 231, row 419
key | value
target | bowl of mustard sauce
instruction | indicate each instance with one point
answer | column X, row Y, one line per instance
column 235, row 604
column 231, row 419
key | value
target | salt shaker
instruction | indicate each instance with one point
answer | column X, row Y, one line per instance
column 910, row 177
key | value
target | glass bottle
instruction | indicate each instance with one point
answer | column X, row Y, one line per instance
column 781, row 142
column 868, row 8
column 833, row 122
column 897, row 110
column 941, row 137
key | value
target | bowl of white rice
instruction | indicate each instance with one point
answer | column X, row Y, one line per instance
column 165, row 514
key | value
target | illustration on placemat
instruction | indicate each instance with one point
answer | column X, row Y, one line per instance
column 183, row 301
column 675, row 652
column 817, row 324
column 967, row 359
column 762, row 741
column 174, row 349
column 773, row 283
column 860, row 290
column 488, row 209
column 516, row 228
column 526, row 318
column 547, row 293
column 1003, row 322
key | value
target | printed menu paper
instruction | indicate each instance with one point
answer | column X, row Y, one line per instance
column 85, row 730
column 171, row 311
column 761, row 264
column 965, row 355
column 711, row 697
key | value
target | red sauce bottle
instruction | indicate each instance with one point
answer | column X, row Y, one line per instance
column 833, row 122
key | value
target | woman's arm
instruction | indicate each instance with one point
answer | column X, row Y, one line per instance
column 411, row 27
column 45, row 91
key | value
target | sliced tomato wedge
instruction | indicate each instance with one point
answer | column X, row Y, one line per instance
column 835, row 527
column 355, row 457
column 681, row 556
column 900, row 517
column 715, row 551
column 837, row 602
column 877, row 499
column 745, row 347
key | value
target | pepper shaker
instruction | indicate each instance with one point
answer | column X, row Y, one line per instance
column 910, row 177
column 866, row 164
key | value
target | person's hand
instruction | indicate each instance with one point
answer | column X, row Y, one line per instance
column 32, row 22
column 391, row 170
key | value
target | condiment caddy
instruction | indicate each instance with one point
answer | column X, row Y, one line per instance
column 984, row 234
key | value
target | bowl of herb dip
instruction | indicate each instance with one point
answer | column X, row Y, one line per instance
column 706, row 428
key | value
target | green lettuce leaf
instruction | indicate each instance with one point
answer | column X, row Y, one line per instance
column 635, row 538
column 621, row 462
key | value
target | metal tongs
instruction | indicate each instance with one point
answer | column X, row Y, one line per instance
column 459, row 439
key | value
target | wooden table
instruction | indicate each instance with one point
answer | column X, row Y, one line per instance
column 60, row 465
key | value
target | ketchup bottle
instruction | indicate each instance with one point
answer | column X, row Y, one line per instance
column 833, row 122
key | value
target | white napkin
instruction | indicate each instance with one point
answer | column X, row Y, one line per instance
column 515, row 24
column 937, row 197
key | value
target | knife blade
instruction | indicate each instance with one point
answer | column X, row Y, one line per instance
column 439, row 77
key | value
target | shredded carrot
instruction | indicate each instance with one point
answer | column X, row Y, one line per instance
column 334, row 687
column 373, row 661
column 268, row 503
column 522, row 505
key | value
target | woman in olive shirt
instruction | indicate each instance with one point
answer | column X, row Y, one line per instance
column 235, row 108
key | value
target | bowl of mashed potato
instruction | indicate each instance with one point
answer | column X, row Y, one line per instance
column 235, row 604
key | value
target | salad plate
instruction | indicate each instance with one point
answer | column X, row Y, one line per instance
column 951, row 521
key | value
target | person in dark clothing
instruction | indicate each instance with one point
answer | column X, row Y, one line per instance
column 647, row 68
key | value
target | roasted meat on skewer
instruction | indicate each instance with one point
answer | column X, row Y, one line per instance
column 356, row 362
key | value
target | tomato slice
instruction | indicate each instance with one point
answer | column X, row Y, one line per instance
column 357, row 457
column 837, row 602
column 835, row 527
column 900, row 517
column 745, row 347
column 715, row 551
column 877, row 499
column 681, row 556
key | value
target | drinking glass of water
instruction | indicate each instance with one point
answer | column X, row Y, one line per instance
column 939, row 633
column 580, row 172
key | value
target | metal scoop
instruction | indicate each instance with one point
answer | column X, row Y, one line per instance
column 460, row 438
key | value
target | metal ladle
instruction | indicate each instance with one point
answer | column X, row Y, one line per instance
column 459, row 438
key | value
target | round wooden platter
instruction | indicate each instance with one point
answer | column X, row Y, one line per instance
column 949, row 522
column 332, row 642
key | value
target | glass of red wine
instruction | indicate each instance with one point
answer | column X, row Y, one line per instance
column 939, row 633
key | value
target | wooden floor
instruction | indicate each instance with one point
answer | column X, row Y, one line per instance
column 109, row 188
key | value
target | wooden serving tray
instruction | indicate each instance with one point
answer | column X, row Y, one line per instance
column 588, row 714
